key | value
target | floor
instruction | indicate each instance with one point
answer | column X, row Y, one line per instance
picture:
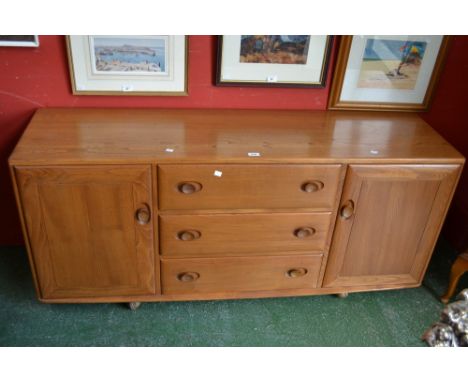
column 390, row 318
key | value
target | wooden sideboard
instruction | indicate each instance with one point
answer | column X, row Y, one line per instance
column 132, row 205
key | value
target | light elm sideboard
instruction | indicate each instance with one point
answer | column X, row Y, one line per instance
column 135, row 205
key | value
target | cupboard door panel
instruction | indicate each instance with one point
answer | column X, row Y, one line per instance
column 388, row 222
column 89, row 229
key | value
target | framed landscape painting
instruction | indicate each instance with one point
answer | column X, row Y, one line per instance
column 273, row 60
column 130, row 65
column 387, row 72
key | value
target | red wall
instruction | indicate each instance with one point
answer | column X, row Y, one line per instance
column 31, row 78
column 449, row 116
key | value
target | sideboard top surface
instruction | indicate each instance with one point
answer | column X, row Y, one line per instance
column 78, row 136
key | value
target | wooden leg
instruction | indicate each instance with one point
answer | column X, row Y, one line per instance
column 342, row 295
column 134, row 305
column 459, row 267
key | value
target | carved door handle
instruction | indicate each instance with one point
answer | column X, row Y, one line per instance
column 143, row 214
column 187, row 277
column 347, row 210
column 188, row 235
column 189, row 187
column 304, row 232
column 312, row 186
column 296, row 272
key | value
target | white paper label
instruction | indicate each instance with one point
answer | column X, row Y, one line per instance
column 218, row 173
column 127, row 88
column 253, row 154
column 273, row 78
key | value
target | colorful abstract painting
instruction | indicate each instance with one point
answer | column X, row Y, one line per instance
column 391, row 64
column 274, row 49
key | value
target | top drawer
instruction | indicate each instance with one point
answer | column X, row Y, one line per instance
column 229, row 186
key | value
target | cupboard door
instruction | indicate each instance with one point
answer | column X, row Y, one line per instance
column 388, row 222
column 90, row 229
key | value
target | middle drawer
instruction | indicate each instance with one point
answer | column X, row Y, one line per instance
column 243, row 233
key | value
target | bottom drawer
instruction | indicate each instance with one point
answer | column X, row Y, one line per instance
column 239, row 274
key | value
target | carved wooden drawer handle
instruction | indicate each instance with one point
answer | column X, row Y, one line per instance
column 189, row 187
column 296, row 272
column 188, row 235
column 347, row 210
column 304, row 232
column 312, row 186
column 143, row 214
column 187, row 277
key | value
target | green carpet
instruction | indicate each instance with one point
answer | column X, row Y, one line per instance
column 390, row 318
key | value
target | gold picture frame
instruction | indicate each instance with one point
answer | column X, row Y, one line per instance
column 86, row 81
column 415, row 97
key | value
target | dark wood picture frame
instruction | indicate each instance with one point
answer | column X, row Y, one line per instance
column 320, row 84
column 21, row 41
column 335, row 103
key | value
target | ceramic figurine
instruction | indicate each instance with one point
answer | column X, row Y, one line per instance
column 452, row 330
column 440, row 335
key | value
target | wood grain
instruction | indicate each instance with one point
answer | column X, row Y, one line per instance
column 248, row 186
column 240, row 274
column 396, row 220
column 243, row 233
column 155, row 222
column 233, row 295
column 81, row 175
column 85, row 239
column 27, row 240
column 129, row 136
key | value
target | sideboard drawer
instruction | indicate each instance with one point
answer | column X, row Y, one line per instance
column 243, row 233
column 185, row 276
column 247, row 186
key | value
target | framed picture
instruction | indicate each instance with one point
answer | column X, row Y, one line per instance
column 25, row 41
column 387, row 72
column 273, row 60
column 128, row 65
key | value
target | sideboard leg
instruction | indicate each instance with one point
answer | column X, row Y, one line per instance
column 134, row 305
column 343, row 295
column 459, row 267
